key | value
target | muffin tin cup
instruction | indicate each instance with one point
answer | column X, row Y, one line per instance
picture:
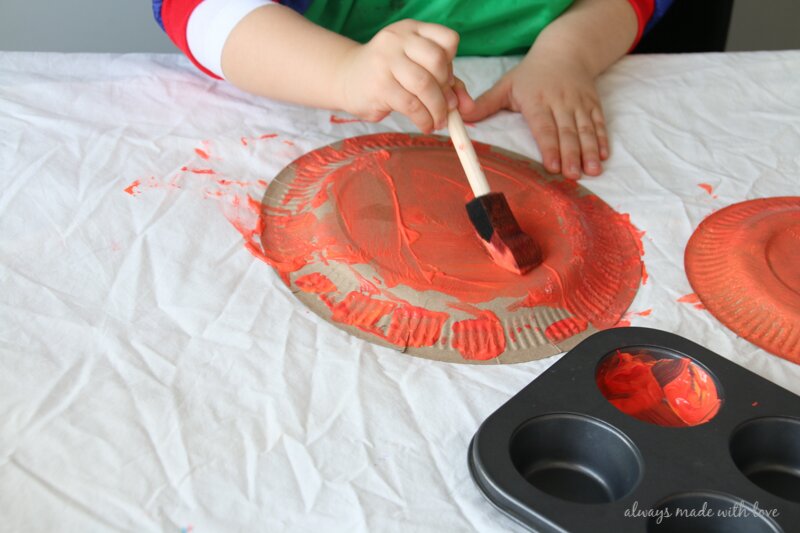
column 559, row 457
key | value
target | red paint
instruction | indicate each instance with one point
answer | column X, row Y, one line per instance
column 340, row 120
column 199, row 170
column 692, row 298
column 316, row 283
column 288, row 143
column 625, row 321
column 754, row 404
column 674, row 392
column 132, row 188
column 479, row 339
column 708, row 188
column 268, row 136
column 243, row 140
column 361, row 311
column 201, row 153
column 564, row 329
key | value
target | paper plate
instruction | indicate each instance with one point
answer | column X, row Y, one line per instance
column 744, row 263
column 372, row 234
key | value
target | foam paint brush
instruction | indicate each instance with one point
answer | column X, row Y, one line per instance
column 509, row 246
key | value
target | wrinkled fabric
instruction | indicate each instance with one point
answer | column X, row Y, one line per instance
column 156, row 376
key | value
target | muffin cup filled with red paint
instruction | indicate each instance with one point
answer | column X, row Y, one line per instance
column 658, row 386
column 634, row 425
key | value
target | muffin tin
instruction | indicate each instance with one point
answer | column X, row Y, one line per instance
column 559, row 457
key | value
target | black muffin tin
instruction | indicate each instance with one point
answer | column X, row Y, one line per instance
column 559, row 457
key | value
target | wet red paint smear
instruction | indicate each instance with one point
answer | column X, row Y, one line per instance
column 673, row 391
column 361, row 311
column 316, row 283
column 564, row 329
column 199, row 170
column 340, row 120
column 479, row 339
column 132, row 188
column 692, row 298
column 708, row 188
column 201, row 153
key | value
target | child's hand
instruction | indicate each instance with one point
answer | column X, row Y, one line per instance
column 406, row 67
column 559, row 101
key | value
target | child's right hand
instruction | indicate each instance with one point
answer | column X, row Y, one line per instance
column 406, row 67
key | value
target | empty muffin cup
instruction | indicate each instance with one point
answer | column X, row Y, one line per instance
column 658, row 386
column 576, row 458
column 767, row 451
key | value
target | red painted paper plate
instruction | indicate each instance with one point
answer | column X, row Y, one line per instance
column 744, row 263
column 371, row 233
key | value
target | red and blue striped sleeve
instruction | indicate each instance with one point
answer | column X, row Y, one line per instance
column 173, row 17
column 648, row 13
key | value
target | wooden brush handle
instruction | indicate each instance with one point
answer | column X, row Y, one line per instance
column 466, row 154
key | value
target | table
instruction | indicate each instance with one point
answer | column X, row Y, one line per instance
column 154, row 375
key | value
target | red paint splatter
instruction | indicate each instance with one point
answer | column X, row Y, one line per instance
column 288, row 143
column 565, row 328
column 673, row 392
column 708, row 188
column 201, row 153
column 479, row 339
column 692, row 298
column 199, row 170
column 243, row 140
column 268, row 136
column 340, row 120
column 625, row 321
column 132, row 188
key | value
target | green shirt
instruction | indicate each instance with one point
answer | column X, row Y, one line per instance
column 486, row 27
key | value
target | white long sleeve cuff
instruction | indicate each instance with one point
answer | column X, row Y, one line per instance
column 210, row 24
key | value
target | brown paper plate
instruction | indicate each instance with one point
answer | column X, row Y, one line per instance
column 744, row 263
column 371, row 233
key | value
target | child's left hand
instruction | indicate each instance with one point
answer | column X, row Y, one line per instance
column 559, row 101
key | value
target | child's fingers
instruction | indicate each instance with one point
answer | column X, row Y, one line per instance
column 441, row 35
column 602, row 134
column 401, row 100
column 488, row 103
column 421, row 83
column 429, row 56
column 590, row 153
column 465, row 101
column 543, row 127
column 569, row 143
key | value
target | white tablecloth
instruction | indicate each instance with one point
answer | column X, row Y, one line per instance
column 154, row 375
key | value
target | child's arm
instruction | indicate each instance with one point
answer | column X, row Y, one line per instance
column 406, row 67
column 553, row 86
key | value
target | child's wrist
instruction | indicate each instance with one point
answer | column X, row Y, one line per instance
column 342, row 72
